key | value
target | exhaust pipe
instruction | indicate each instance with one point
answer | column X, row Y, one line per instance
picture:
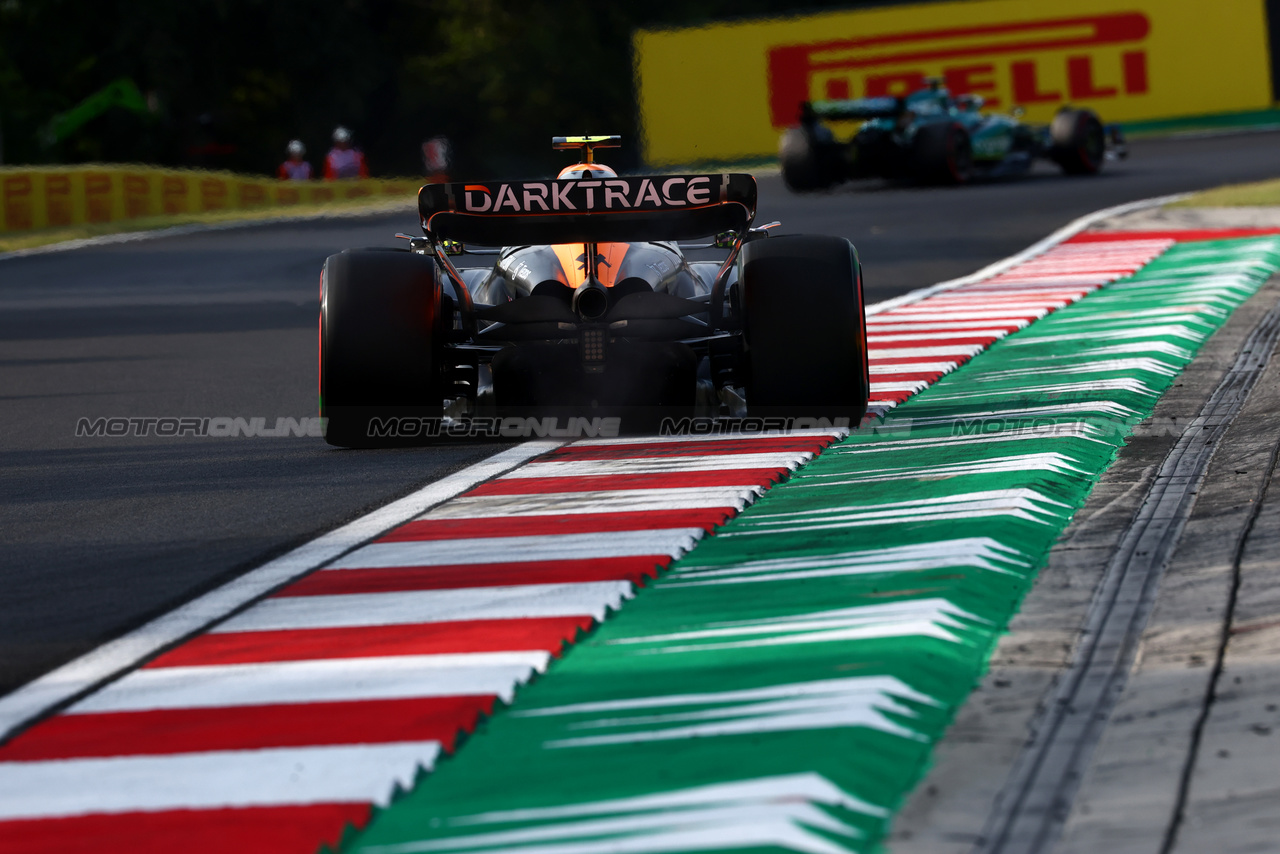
column 591, row 300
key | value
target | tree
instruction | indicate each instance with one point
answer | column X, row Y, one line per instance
column 234, row 80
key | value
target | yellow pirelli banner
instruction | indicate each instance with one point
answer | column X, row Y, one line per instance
column 725, row 92
column 50, row 197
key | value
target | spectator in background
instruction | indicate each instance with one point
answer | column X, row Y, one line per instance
column 437, row 157
column 343, row 160
column 295, row 168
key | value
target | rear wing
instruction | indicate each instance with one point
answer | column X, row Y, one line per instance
column 606, row 210
column 858, row 108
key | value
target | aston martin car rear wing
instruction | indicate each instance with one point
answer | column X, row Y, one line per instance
column 605, row 210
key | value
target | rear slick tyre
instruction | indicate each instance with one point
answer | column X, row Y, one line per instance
column 944, row 153
column 1079, row 142
column 379, row 349
column 808, row 158
column 804, row 328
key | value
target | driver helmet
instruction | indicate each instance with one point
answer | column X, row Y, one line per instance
column 341, row 134
column 296, row 148
column 582, row 170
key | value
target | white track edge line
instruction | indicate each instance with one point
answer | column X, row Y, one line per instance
column 1063, row 234
column 123, row 654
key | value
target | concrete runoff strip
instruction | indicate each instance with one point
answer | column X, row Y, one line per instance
column 1230, row 785
column 1037, row 800
column 1188, row 764
column 1129, row 796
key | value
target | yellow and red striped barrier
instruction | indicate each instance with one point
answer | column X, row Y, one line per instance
column 57, row 196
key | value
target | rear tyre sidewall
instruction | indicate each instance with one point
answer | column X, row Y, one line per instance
column 379, row 349
column 1078, row 142
column 944, row 153
column 805, row 328
column 806, row 156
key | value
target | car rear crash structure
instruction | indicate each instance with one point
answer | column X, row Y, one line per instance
column 933, row 136
column 589, row 307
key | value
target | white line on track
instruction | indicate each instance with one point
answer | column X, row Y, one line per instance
column 120, row 655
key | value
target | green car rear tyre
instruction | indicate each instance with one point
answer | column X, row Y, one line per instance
column 944, row 153
column 810, row 158
column 1079, row 142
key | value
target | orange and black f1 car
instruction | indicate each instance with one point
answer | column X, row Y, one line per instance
column 584, row 304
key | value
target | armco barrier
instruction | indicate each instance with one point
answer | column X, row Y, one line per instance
column 725, row 92
column 50, row 197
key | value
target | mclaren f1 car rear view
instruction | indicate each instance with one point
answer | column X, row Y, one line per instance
column 579, row 303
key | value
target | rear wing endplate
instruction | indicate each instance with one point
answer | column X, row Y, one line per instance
column 605, row 210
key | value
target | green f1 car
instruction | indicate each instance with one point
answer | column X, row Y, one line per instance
column 936, row 137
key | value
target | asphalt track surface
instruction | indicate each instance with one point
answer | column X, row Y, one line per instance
column 100, row 534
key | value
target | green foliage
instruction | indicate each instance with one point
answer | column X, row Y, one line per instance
column 118, row 93
column 235, row 80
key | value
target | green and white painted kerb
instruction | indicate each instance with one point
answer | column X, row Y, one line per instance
column 782, row 686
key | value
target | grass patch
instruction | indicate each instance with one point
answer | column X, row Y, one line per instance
column 1257, row 194
column 14, row 241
